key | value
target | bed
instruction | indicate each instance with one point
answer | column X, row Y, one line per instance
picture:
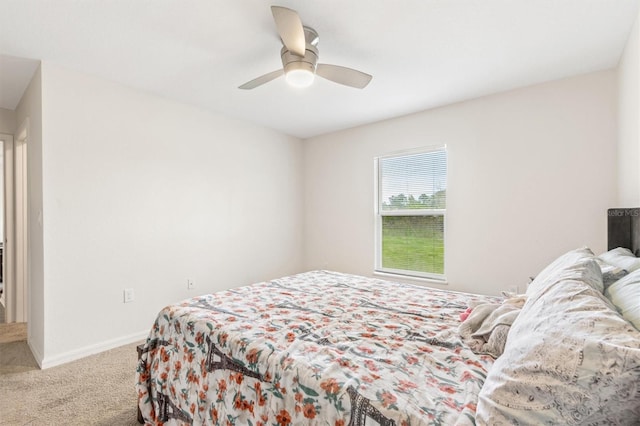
column 327, row 348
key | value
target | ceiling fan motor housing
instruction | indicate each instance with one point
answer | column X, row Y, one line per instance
column 291, row 61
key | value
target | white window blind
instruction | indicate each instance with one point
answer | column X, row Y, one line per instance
column 411, row 209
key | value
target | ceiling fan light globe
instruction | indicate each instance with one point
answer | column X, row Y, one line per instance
column 300, row 77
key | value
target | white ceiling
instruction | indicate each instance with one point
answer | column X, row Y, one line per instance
column 421, row 53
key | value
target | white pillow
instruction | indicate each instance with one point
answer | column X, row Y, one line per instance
column 622, row 258
column 625, row 295
column 570, row 359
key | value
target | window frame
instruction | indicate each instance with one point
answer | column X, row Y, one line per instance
column 379, row 214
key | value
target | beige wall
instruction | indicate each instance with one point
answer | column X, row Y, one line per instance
column 531, row 174
column 629, row 121
column 145, row 193
column 7, row 121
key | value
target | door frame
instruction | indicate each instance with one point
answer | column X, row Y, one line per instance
column 20, row 223
column 8, row 294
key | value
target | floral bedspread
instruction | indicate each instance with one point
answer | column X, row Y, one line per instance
column 318, row 348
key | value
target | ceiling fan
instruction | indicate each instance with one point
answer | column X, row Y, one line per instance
column 300, row 56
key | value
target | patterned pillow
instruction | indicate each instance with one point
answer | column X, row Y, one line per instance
column 570, row 358
column 625, row 295
column 563, row 268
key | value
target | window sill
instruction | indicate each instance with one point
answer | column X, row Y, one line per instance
column 411, row 278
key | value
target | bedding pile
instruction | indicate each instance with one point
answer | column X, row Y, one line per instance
column 572, row 356
column 314, row 348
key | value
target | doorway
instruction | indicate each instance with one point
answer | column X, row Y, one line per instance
column 13, row 215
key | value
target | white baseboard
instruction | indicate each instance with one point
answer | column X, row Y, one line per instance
column 36, row 354
column 88, row 350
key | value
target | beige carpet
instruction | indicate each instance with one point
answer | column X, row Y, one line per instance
column 97, row 390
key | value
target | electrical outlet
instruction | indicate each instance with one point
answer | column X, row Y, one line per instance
column 190, row 284
column 129, row 295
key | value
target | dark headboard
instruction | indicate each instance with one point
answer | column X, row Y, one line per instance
column 623, row 228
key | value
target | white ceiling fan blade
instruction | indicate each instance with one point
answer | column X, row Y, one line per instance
column 261, row 80
column 290, row 29
column 343, row 75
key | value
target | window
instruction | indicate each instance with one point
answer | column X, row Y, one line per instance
column 410, row 213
